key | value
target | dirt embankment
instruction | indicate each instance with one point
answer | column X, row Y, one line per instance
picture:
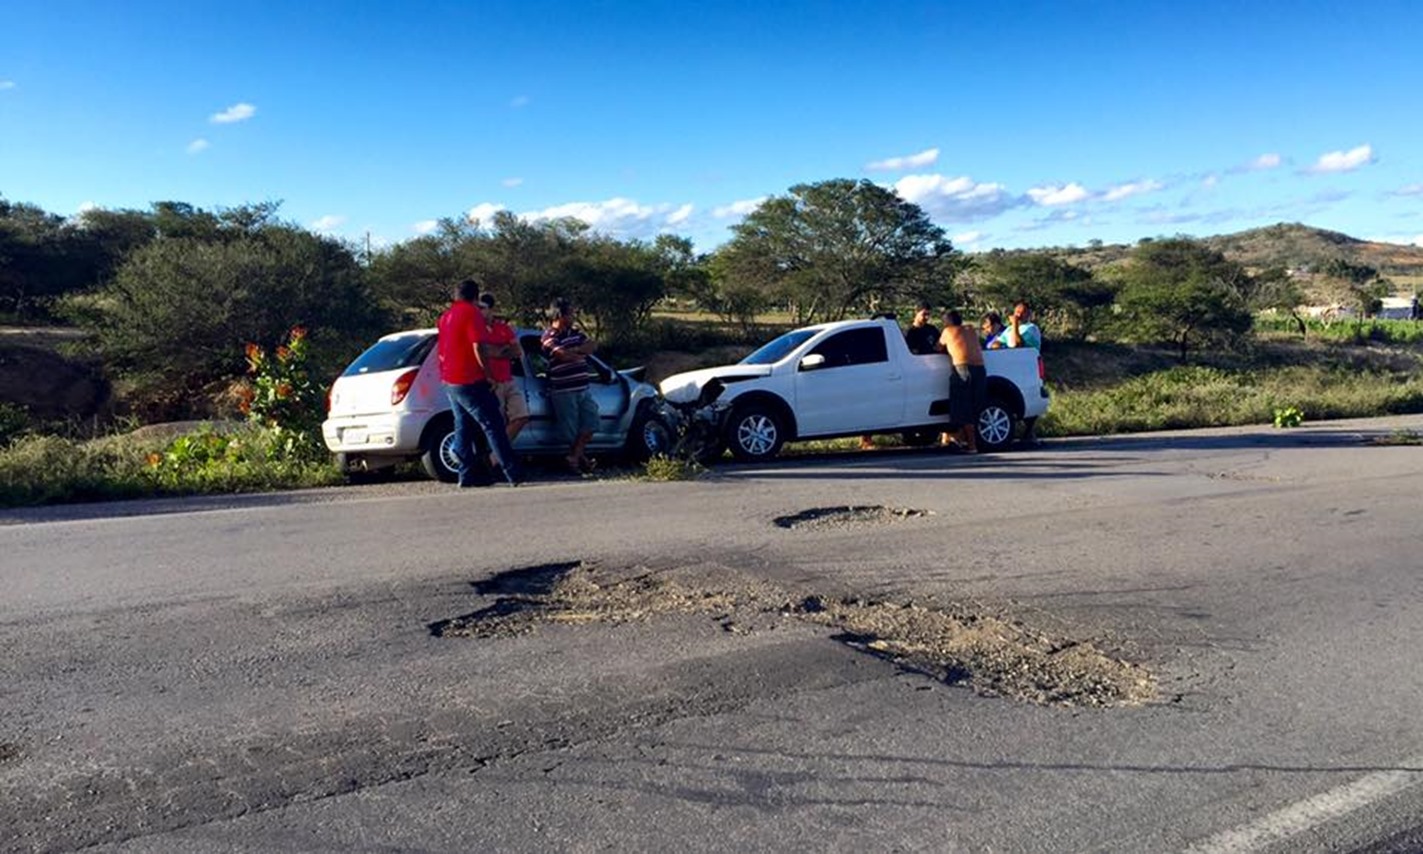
column 52, row 386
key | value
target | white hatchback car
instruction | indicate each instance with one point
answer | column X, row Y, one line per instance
column 389, row 405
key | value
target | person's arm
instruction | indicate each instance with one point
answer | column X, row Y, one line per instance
column 1015, row 338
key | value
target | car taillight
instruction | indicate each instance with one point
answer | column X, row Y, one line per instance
column 1042, row 369
column 402, row 386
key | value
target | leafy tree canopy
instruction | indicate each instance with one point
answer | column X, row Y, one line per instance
column 829, row 247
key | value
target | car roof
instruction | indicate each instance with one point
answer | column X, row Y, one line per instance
column 518, row 330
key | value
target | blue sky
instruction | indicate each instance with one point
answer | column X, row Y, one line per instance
column 1012, row 124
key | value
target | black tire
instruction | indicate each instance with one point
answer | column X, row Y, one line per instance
column 649, row 436
column 437, row 456
column 920, row 438
column 997, row 425
column 755, row 432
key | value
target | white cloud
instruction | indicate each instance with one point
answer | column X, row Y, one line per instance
column 1131, row 188
column 1343, row 161
column 926, row 157
column 1210, row 180
column 512, row 182
column 234, row 113
column 483, row 212
column 425, row 226
column 954, row 199
column 1409, row 190
column 198, row 145
column 86, row 206
column 679, row 215
column 1269, row 160
column 520, row 101
column 6, row 84
column 968, row 238
column 613, row 215
column 741, row 208
column 1418, row 241
column 1053, row 194
column 328, row 223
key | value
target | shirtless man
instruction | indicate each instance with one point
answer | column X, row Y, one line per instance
column 968, row 382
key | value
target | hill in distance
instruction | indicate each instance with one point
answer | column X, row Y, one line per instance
column 1290, row 245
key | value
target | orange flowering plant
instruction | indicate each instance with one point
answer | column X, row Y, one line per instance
column 281, row 394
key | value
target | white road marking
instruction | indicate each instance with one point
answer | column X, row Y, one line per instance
column 1312, row 812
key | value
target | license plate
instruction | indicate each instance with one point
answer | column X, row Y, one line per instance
column 354, row 437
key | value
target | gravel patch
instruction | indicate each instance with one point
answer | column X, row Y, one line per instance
column 961, row 643
column 847, row 516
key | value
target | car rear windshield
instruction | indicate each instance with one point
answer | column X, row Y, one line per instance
column 392, row 354
column 776, row 350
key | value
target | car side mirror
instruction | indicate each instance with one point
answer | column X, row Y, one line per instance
column 813, row 361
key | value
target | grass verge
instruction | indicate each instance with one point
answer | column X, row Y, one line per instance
column 53, row 469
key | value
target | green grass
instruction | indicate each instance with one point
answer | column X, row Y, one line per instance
column 1377, row 331
column 1190, row 397
column 39, row 469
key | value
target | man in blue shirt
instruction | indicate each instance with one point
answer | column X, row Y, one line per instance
column 1021, row 330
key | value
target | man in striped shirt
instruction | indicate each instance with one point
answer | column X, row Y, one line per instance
column 575, row 412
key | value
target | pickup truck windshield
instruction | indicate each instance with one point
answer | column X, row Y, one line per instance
column 776, row 350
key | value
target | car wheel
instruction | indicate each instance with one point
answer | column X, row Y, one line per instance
column 755, row 433
column 996, row 426
column 438, row 458
column 920, row 438
column 648, row 437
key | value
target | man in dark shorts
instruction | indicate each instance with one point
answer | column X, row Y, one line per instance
column 968, row 381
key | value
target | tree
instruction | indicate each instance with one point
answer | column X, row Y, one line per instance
column 38, row 261
column 1181, row 291
column 1358, row 286
column 1068, row 298
column 180, row 310
column 828, row 247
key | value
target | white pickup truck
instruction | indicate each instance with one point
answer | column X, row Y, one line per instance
column 852, row 378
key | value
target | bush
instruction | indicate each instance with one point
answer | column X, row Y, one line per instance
column 14, row 422
column 180, row 309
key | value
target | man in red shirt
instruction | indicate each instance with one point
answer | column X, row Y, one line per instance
column 462, row 344
column 503, row 347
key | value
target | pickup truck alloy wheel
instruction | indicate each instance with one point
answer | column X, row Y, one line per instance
column 995, row 426
column 756, row 434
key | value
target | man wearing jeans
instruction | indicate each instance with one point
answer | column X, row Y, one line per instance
column 472, row 400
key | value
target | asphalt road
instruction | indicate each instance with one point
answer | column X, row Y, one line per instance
column 258, row 674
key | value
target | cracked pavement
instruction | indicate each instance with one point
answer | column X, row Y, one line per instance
column 257, row 674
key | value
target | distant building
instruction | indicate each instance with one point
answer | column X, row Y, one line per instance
column 1399, row 308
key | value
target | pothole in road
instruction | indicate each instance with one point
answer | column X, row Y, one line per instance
column 846, row 516
column 965, row 644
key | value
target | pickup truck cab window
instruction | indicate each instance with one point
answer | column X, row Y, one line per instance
column 863, row 346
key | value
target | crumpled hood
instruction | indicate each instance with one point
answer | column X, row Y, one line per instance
column 684, row 387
